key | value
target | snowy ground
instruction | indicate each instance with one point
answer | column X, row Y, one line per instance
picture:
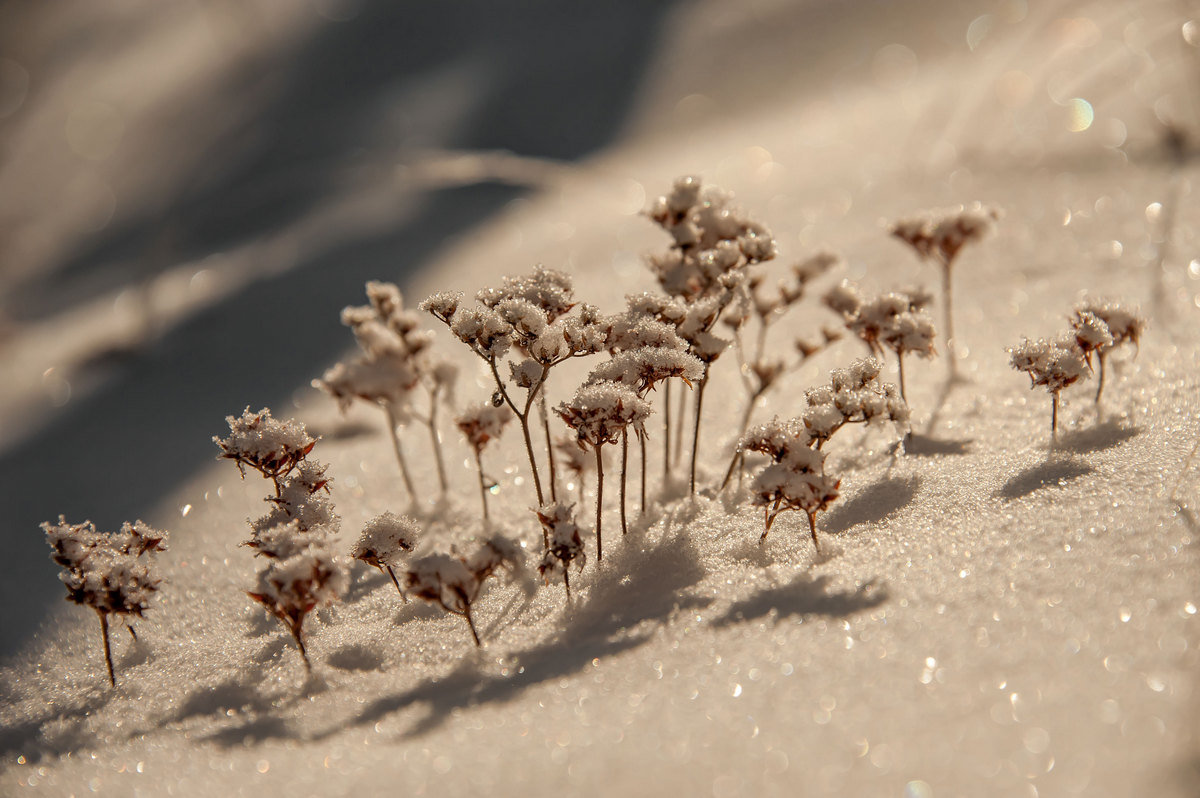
column 993, row 617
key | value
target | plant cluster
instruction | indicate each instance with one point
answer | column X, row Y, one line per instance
column 302, row 572
column 113, row 573
column 480, row 424
column 396, row 360
column 384, row 542
column 563, row 543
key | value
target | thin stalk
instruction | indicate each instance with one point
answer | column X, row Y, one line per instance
column 642, row 445
column 1054, row 416
column 436, row 440
column 599, row 502
column 567, row 582
column 666, row 432
column 396, row 582
column 522, row 417
column 696, row 429
column 947, row 307
column 112, row 679
column 549, row 442
column 482, row 484
column 298, row 636
column 624, row 470
column 391, row 423
column 738, row 454
column 900, row 360
column 680, row 411
column 1100, row 358
column 812, row 528
column 471, row 623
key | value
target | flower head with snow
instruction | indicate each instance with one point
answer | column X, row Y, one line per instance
column 267, row 445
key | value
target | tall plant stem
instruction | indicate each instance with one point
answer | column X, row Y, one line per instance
column 112, row 679
column 396, row 582
column 567, row 582
column 549, row 442
column 599, row 502
column 298, row 635
column 900, row 361
column 642, row 445
column 681, row 411
column 1054, row 416
column 812, row 528
column 696, row 429
column 436, row 440
column 948, row 308
column 482, row 484
column 1100, row 358
column 624, row 470
column 391, row 422
column 523, row 417
column 666, row 433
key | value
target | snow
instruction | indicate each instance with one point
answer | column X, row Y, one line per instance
column 989, row 614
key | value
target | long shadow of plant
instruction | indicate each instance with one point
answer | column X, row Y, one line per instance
column 636, row 588
column 1098, row 438
column 31, row 739
column 1054, row 472
column 876, row 503
column 806, row 595
column 927, row 446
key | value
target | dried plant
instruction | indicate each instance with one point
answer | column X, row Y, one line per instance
column 528, row 316
column 1125, row 325
column 396, row 359
column 454, row 582
column 940, row 235
column 897, row 321
column 1054, row 364
column 111, row 573
column 302, row 572
column 713, row 243
column 384, row 541
column 480, row 424
column 600, row 413
column 564, row 546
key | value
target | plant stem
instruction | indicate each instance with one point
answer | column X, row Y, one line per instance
column 666, row 433
column 1100, row 358
column 680, row 411
column 696, row 428
column 396, row 582
column 900, row 360
column 471, row 624
column 567, row 581
column 298, row 635
column 599, row 502
column 947, row 306
column 482, row 484
column 1054, row 416
column 642, row 445
column 112, row 679
column 549, row 442
column 812, row 528
column 624, row 469
column 391, row 422
column 522, row 417
column 437, row 443
column 738, row 454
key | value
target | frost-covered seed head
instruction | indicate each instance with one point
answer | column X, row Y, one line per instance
column 265, row 444
column 442, row 305
column 482, row 423
column 112, row 573
column 600, row 412
column 385, row 539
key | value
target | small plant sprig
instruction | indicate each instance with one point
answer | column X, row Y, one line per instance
column 302, row 573
column 480, row 424
column 713, row 243
column 940, row 235
column 385, row 540
column 1054, row 364
column 897, row 321
column 564, row 547
column 794, row 477
column 645, row 352
column 396, row 358
column 600, row 413
column 1125, row 326
column 454, row 582
column 527, row 315
column 111, row 573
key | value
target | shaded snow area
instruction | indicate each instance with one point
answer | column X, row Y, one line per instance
column 989, row 614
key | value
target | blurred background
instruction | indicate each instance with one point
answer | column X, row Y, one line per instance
column 191, row 190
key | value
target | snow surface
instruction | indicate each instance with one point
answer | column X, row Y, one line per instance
column 991, row 616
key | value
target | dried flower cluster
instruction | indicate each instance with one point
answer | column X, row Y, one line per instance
column 940, row 235
column 395, row 359
column 1124, row 324
column 480, row 424
column 302, row 573
column 113, row 573
column 794, row 477
column 384, row 541
column 897, row 320
column 454, row 582
column 562, row 542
